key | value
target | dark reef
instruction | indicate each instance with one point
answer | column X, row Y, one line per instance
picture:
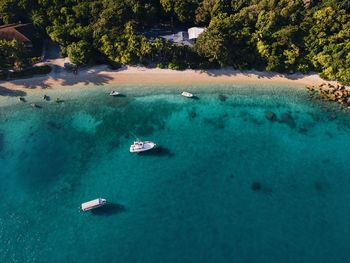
column 271, row 116
column 288, row 119
column 256, row 186
column 222, row 97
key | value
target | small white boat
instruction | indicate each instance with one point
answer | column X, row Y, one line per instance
column 93, row 204
column 187, row 94
column 114, row 93
column 34, row 105
column 139, row 146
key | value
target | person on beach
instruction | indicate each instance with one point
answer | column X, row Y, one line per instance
column 75, row 71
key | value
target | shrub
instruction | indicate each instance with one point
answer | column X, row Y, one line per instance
column 40, row 70
column 144, row 62
column 114, row 65
column 2, row 75
column 35, row 60
column 79, row 52
column 173, row 66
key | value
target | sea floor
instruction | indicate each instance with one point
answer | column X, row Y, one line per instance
column 226, row 184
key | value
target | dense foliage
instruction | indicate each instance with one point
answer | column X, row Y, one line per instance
column 12, row 54
column 274, row 35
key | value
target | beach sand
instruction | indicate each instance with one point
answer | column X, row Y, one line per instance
column 131, row 75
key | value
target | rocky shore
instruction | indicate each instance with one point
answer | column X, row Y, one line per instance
column 329, row 92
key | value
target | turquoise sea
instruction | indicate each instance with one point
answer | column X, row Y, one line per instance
column 225, row 184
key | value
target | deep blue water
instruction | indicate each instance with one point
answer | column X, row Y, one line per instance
column 225, row 185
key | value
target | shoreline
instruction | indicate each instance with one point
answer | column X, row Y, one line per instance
column 61, row 81
column 129, row 75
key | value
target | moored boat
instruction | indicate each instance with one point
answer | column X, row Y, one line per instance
column 139, row 146
column 93, row 204
column 34, row 105
column 114, row 93
column 187, row 94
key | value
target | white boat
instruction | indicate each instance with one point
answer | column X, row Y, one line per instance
column 93, row 204
column 139, row 146
column 114, row 93
column 187, row 94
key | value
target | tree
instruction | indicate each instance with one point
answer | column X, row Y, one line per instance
column 185, row 10
column 9, row 11
column 203, row 12
column 12, row 54
column 275, row 35
column 228, row 42
column 328, row 43
column 79, row 53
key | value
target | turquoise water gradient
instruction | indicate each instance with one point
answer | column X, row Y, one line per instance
column 225, row 184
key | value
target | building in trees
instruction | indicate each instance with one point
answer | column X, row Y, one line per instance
column 23, row 33
column 186, row 37
column 179, row 38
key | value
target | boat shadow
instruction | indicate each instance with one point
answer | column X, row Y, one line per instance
column 108, row 210
column 158, row 151
column 118, row 96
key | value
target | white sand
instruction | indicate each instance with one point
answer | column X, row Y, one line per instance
column 101, row 75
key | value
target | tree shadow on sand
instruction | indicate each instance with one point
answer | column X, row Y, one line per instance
column 31, row 83
column 229, row 72
column 11, row 93
column 64, row 79
column 86, row 79
column 109, row 209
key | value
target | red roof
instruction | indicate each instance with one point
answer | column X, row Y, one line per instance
column 20, row 32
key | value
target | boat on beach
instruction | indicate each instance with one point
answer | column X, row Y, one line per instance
column 93, row 204
column 114, row 93
column 187, row 94
column 139, row 146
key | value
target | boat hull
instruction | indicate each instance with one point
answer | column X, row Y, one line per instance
column 93, row 204
column 146, row 147
column 114, row 93
column 187, row 94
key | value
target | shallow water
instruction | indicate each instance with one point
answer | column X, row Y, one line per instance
column 225, row 184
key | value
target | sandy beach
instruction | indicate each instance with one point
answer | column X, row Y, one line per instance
column 101, row 75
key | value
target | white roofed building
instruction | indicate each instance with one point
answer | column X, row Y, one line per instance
column 181, row 36
column 194, row 32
